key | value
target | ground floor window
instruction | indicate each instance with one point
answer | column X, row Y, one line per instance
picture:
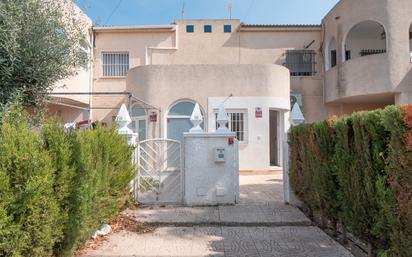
column 237, row 123
column 139, row 121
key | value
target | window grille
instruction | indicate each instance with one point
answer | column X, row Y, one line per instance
column 301, row 62
column 237, row 124
column 115, row 64
column 365, row 52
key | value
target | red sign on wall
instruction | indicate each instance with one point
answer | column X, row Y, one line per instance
column 153, row 117
column 258, row 112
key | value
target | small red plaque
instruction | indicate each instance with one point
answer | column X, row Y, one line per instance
column 258, row 112
column 153, row 117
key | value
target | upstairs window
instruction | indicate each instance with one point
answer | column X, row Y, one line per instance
column 331, row 54
column 410, row 42
column 301, row 63
column 227, row 28
column 190, row 28
column 333, row 58
column 347, row 55
column 208, row 28
column 115, row 64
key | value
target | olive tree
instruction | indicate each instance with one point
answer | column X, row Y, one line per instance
column 41, row 43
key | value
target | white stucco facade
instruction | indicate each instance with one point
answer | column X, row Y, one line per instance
column 359, row 58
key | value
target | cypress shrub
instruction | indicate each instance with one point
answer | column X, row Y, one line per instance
column 58, row 187
column 396, row 199
column 302, row 141
column 369, row 144
column 295, row 161
column 104, row 167
column 342, row 162
column 30, row 211
column 58, row 144
column 325, row 177
column 8, row 229
column 359, row 171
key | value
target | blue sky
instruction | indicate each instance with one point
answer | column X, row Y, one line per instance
column 145, row 12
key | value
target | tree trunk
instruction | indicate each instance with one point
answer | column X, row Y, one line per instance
column 371, row 252
column 322, row 221
column 310, row 214
column 344, row 234
column 335, row 228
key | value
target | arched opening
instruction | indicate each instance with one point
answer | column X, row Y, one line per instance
column 331, row 57
column 365, row 38
column 410, row 42
column 178, row 119
column 139, row 121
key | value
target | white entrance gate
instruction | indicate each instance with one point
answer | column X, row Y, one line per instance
column 160, row 179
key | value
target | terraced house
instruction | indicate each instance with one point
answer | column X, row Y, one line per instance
column 358, row 58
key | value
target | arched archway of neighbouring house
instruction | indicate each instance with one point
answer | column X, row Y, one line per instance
column 178, row 119
column 365, row 38
column 410, row 42
column 331, row 58
column 139, row 121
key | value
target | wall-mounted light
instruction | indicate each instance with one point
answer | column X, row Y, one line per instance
column 383, row 34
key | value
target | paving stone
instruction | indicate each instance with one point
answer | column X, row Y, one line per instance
column 224, row 241
column 261, row 226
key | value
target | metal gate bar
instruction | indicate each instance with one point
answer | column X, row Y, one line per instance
column 159, row 178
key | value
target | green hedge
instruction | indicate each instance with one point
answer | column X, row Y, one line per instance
column 357, row 171
column 58, row 187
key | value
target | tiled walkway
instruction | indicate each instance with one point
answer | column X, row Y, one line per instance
column 260, row 226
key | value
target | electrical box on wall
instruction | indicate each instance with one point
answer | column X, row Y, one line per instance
column 220, row 155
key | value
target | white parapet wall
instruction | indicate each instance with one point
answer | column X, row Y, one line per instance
column 211, row 168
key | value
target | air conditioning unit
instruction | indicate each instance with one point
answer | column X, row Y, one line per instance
column 295, row 98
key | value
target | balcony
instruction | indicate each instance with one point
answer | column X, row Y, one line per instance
column 361, row 76
column 361, row 67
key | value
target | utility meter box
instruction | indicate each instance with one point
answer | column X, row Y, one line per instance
column 211, row 169
column 220, row 154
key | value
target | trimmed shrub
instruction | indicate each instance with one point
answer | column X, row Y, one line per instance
column 30, row 209
column 325, row 177
column 302, row 144
column 103, row 161
column 359, row 171
column 342, row 161
column 369, row 143
column 58, row 144
column 58, row 187
column 397, row 198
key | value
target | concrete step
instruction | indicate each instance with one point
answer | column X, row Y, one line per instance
column 237, row 215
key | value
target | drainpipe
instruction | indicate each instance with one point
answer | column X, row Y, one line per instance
column 324, row 62
column 160, row 123
column 91, row 71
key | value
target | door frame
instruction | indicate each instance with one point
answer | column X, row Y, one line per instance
column 278, row 137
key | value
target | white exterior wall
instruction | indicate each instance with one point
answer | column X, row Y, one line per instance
column 255, row 151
